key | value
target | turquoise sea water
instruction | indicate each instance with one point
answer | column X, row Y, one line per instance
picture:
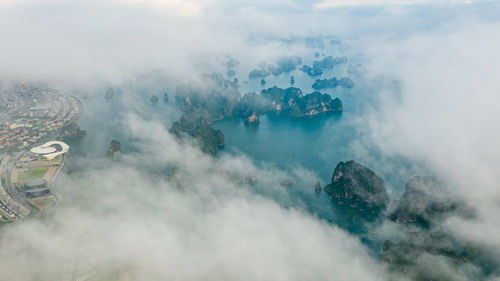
column 288, row 143
column 318, row 143
column 315, row 144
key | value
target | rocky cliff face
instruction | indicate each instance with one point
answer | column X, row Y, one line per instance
column 326, row 63
column 358, row 188
column 115, row 149
column 421, row 204
column 217, row 98
column 211, row 140
column 226, row 102
column 210, row 100
column 72, row 132
column 345, row 82
column 425, row 256
column 421, row 211
column 252, row 119
column 317, row 103
column 291, row 102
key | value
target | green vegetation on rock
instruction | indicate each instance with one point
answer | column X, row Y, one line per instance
column 358, row 189
column 213, row 98
column 421, row 211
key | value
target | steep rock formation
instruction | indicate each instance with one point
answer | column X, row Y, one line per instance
column 345, row 82
column 211, row 140
column 252, row 119
column 357, row 187
column 422, row 210
column 423, row 206
column 316, row 103
column 114, row 150
column 72, row 132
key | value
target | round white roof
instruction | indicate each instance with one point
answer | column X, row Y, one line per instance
column 48, row 151
column 43, row 149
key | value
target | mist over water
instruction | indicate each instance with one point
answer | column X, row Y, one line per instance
column 424, row 103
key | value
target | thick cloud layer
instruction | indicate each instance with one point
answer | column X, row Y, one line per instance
column 198, row 224
column 444, row 113
column 167, row 211
column 112, row 40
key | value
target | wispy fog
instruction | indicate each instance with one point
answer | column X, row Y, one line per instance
column 201, row 224
column 444, row 114
column 167, row 211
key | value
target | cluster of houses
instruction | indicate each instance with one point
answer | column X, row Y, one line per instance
column 37, row 123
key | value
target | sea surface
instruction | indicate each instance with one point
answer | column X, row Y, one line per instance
column 313, row 144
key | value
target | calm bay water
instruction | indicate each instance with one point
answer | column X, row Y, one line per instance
column 287, row 143
column 315, row 144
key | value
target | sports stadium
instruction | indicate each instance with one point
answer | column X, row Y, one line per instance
column 50, row 150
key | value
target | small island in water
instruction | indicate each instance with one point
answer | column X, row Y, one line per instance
column 217, row 99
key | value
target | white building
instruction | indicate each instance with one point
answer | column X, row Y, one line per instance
column 51, row 149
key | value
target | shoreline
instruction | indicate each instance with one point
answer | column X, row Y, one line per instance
column 15, row 204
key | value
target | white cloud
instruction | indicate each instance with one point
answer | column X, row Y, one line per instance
column 324, row 4
column 202, row 218
column 444, row 114
column 187, row 8
column 198, row 224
